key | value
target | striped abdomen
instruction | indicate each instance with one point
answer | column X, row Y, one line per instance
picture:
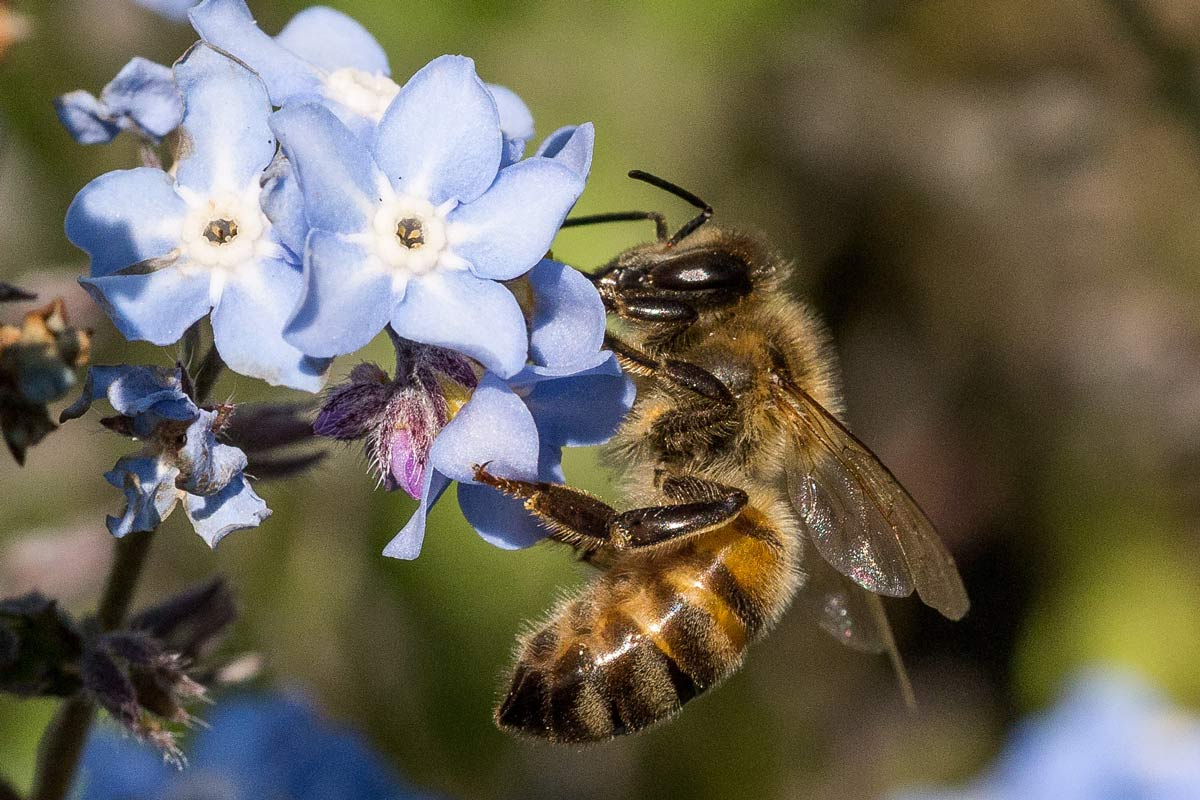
column 649, row 634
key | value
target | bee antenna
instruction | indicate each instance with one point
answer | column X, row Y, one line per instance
column 705, row 214
column 660, row 224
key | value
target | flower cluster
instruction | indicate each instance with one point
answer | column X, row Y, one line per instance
column 181, row 459
column 310, row 203
column 1110, row 736
column 273, row 745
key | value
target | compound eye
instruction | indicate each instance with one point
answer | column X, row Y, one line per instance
column 703, row 272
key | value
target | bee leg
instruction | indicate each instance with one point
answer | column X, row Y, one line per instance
column 585, row 522
column 683, row 374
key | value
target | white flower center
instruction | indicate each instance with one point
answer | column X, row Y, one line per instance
column 367, row 94
column 224, row 231
column 410, row 236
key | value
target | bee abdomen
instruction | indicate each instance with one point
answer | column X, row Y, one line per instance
column 626, row 655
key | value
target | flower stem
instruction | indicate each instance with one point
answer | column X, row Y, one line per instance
column 62, row 743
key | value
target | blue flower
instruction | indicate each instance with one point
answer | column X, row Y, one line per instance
column 438, row 418
column 323, row 56
column 416, row 231
column 181, row 460
column 142, row 99
column 1111, row 736
column 174, row 10
column 166, row 248
column 269, row 746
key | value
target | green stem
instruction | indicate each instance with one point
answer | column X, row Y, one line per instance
column 62, row 743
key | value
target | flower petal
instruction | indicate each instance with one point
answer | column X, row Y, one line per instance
column 150, row 494
column 248, row 326
column 348, row 298
column 155, row 307
column 579, row 409
column 571, row 146
column 233, row 508
column 339, row 180
column 510, row 228
column 502, row 521
column 460, row 312
column 495, row 428
column 228, row 24
column 568, row 322
column 174, row 10
column 332, row 40
column 133, row 391
column 407, row 543
column 126, row 217
column 87, row 119
column 228, row 140
column 146, row 93
column 440, row 138
column 206, row 466
column 283, row 203
column 516, row 123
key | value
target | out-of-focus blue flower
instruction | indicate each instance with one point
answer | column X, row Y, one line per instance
column 251, row 748
column 142, row 99
column 323, row 56
column 417, row 230
column 174, row 10
column 181, row 460
column 166, row 248
column 1110, row 737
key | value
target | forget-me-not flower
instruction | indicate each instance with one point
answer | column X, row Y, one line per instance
column 168, row 247
column 438, row 418
column 324, row 56
column 251, row 747
column 1111, row 736
column 181, row 459
column 142, row 98
column 417, row 230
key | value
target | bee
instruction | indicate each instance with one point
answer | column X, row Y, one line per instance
column 745, row 489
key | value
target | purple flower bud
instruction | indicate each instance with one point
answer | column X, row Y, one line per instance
column 399, row 417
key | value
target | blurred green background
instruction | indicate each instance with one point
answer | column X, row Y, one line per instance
column 993, row 206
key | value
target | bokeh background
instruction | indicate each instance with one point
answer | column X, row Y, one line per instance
column 994, row 206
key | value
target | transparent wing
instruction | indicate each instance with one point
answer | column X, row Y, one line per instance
column 860, row 518
column 850, row 614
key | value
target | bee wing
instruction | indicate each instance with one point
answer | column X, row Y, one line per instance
column 861, row 520
column 839, row 606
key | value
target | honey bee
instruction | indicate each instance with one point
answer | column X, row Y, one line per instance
column 736, row 462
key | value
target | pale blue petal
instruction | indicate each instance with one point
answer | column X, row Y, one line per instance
column 501, row 520
column 233, row 508
column 407, row 543
column 146, row 93
column 456, row 310
column 510, row 228
column 516, row 122
column 135, row 391
column 572, row 147
column 126, row 217
column 228, row 141
column 150, row 494
column 155, row 307
column 339, row 180
column 87, row 119
column 440, row 138
column 493, row 428
column 228, row 24
column 283, row 203
column 248, row 326
column 579, row 409
column 568, row 316
column 332, row 40
column 348, row 298
column 174, row 10
column 206, row 467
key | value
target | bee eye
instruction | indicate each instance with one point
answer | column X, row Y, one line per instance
column 703, row 272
